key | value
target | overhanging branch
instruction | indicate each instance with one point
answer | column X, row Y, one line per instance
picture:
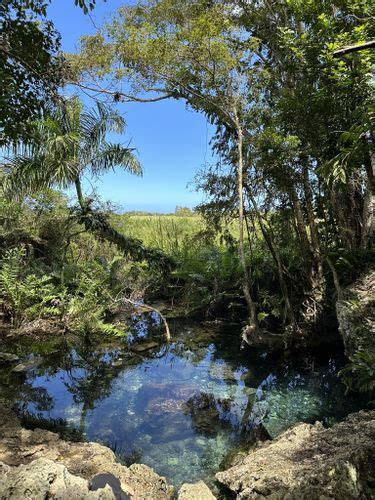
column 354, row 48
column 117, row 95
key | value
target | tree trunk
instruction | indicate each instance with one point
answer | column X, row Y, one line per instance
column 253, row 320
column 313, row 302
column 368, row 202
column 310, row 209
column 343, row 233
column 81, row 199
column 289, row 319
column 301, row 226
column 336, row 280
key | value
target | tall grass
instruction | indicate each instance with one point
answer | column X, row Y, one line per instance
column 207, row 275
column 166, row 232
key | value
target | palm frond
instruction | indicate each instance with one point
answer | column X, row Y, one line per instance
column 110, row 156
column 26, row 175
column 65, row 143
column 96, row 123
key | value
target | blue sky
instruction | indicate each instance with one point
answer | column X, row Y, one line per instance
column 172, row 142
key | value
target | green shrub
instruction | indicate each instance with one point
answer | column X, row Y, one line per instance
column 359, row 374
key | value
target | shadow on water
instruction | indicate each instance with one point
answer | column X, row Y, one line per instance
column 180, row 408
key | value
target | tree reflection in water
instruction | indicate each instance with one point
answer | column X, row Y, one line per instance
column 182, row 406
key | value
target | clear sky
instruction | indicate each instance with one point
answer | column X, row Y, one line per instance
column 172, row 142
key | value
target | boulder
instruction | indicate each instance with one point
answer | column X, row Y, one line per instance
column 196, row 491
column 308, row 462
column 44, row 478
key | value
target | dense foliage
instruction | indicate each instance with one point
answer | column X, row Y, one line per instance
column 289, row 216
column 51, row 268
column 31, row 64
column 294, row 125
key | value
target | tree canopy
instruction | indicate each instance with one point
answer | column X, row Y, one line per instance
column 294, row 121
column 31, row 64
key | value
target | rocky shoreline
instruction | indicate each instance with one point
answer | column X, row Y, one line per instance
column 305, row 462
column 356, row 314
column 20, row 447
column 37, row 464
column 310, row 462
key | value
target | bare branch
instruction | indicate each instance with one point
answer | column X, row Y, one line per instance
column 117, row 95
column 135, row 304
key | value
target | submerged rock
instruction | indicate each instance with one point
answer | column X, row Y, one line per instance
column 144, row 346
column 43, row 479
column 196, row 491
column 204, row 413
column 308, row 462
column 20, row 446
column 161, row 406
column 282, row 408
column 27, row 365
column 222, row 372
column 6, row 357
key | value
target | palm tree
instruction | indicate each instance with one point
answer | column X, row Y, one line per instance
column 68, row 143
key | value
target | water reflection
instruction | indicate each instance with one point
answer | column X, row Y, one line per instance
column 179, row 408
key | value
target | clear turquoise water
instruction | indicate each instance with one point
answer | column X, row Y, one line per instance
column 179, row 408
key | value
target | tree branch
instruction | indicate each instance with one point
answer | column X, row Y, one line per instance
column 354, row 48
column 117, row 95
column 135, row 304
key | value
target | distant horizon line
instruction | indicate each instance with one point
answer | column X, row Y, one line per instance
column 179, row 211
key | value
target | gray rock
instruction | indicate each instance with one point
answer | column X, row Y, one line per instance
column 196, row 491
column 308, row 462
column 44, row 478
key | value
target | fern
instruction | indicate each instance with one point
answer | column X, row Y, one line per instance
column 10, row 281
column 90, row 303
column 359, row 374
column 27, row 297
column 110, row 329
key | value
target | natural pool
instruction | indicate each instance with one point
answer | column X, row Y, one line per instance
column 179, row 408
